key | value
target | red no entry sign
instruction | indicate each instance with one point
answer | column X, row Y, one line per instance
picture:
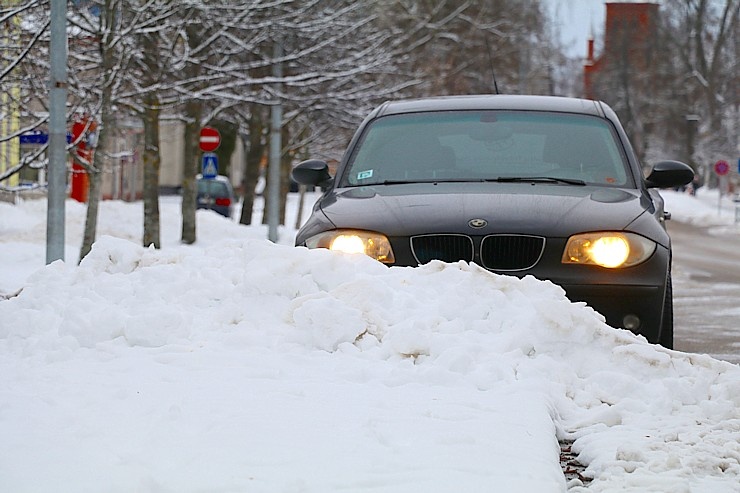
column 722, row 167
column 209, row 139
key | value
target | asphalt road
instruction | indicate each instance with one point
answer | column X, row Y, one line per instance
column 706, row 290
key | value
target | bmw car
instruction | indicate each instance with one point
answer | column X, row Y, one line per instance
column 520, row 185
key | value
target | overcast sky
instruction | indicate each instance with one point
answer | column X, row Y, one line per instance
column 576, row 20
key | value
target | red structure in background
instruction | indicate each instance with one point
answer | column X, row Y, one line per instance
column 82, row 128
column 628, row 26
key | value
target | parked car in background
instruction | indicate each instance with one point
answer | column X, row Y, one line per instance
column 216, row 194
column 520, row 185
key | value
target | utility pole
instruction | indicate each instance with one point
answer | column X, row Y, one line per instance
column 276, row 144
column 57, row 172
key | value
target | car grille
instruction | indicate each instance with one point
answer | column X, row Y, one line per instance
column 511, row 252
column 447, row 248
column 497, row 252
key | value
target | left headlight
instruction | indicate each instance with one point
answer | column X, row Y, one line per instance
column 608, row 249
column 372, row 244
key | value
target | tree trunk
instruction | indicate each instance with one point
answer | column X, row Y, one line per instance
column 104, row 130
column 286, row 161
column 225, row 150
column 91, row 216
column 194, row 111
column 151, row 172
column 193, row 114
column 253, row 160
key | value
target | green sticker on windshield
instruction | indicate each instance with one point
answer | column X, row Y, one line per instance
column 363, row 175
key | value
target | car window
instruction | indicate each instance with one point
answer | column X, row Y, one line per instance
column 487, row 145
column 213, row 188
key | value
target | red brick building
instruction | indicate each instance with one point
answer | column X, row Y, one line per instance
column 627, row 41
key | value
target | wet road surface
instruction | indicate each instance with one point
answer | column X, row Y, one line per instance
column 706, row 290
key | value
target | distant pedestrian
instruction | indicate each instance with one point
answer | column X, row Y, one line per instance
column 694, row 185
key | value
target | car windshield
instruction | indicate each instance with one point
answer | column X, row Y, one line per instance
column 506, row 146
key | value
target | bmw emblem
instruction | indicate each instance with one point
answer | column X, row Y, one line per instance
column 477, row 223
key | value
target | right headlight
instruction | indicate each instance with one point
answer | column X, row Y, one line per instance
column 608, row 249
column 372, row 244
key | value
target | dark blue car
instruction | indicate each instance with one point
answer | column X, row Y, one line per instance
column 216, row 194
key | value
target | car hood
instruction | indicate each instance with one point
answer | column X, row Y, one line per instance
column 523, row 208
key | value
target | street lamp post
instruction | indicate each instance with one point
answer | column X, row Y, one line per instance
column 57, row 175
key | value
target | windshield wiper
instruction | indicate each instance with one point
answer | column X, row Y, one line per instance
column 501, row 179
column 537, row 179
column 431, row 180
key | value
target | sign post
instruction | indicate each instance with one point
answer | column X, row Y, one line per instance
column 721, row 168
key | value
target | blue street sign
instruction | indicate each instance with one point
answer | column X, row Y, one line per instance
column 37, row 137
column 210, row 166
column 34, row 138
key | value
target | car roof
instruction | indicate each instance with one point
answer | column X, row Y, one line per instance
column 492, row 102
column 220, row 178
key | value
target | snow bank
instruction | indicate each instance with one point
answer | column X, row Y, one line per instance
column 284, row 369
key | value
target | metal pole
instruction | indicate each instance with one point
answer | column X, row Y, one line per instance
column 57, row 175
column 720, row 185
column 276, row 118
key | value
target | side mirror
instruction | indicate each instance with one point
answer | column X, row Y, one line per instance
column 669, row 174
column 312, row 172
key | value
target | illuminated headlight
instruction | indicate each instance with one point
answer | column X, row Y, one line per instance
column 608, row 249
column 374, row 245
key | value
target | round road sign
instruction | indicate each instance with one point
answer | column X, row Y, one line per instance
column 721, row 167
column 209, row 139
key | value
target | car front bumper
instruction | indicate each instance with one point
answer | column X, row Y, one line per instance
column 617, row 303
column 622, row 296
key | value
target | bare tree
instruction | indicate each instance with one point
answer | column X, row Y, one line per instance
column 676, row 91
column 154, row 38
column 706, row 35
column 207, row 61
column 24, row 68
column 253, row 138
column 97, row 87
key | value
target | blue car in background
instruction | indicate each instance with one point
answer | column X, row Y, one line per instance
column 216, row 194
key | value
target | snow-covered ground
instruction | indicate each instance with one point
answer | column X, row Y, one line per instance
column 707, row 208
column 239, row 365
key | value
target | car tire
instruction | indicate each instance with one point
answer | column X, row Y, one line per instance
column 666, row 327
